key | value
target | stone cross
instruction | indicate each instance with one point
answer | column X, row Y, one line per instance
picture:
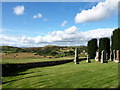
column 88, row 59
column 103, row 56
column 117, row 56
column 76, row 60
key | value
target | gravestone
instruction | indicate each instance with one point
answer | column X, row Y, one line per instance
column 114, row 54
column 97, row 56
column 76, row 60
column 103, row 57
column 111, row 56
column 117, row 56
column 88, row 59
column 107, row 56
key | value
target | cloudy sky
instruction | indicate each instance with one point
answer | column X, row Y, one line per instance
column 36, row 24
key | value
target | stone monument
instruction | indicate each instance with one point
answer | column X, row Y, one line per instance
column 117, row 56
column 107, row 56
column 88, row 59
column 103, row 57
column 97, row 56
column 114, row 54
column 76, row 60
column 111, row 56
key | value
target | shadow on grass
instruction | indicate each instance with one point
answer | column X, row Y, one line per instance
column 14, row 69
column 22, row 78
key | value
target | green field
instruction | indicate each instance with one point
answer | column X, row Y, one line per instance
column 83, row 75
column 31, row 59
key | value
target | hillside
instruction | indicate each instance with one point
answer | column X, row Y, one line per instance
column 50, row 50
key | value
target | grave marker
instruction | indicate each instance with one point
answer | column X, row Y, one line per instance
column 88, row 59
column 117, row 56
column 103, row 57
column 76, row 60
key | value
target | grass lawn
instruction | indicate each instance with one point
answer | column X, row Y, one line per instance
column 32, row 59
column 83, row 75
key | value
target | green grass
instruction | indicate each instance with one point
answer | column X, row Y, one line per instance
column 32, row 59
column 83, row 75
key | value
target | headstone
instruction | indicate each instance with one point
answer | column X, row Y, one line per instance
column 107, row 56
column 97, row 56
column 88, row 59
column 76, row 60
column 103, row 57
column 114, row 54
column 111, row 56
column 117, row 56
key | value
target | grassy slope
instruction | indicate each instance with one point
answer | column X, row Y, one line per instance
column 83, row 75
column 31, row 59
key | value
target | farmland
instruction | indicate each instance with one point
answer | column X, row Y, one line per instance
column 28, row 57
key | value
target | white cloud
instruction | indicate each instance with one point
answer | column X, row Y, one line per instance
column 101, row 11
column 19, row 10
column 70, row 36
column 39, row 15
column 64, row 23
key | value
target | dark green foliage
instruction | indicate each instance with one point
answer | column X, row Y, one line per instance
column 104, row 44
column 92, row 48
column 115, row 38
column 48, row 51
column 11, row 49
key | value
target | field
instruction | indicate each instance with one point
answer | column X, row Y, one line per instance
column 28, row 60
column 28, row 57
column 83, row 75
column 21, row 55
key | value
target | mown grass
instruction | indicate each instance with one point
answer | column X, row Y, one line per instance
column 31, row 59
column 83, row 75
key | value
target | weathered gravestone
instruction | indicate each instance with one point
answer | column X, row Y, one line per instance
column 111, row 56
column 103, row 57
column 97, row 58
column 117, row 56
column 114, row 55
column 88, row 59
column 76, row 60
column 107, row 56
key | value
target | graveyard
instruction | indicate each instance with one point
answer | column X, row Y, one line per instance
column 96, row 69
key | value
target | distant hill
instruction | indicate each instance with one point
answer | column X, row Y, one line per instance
column 11, row 49
column 52, row 50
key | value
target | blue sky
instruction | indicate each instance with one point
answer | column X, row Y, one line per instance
column 54, row 22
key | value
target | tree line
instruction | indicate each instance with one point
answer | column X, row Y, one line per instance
column 104, row 44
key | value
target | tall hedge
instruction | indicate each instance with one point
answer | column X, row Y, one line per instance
column 104, row 44
column 92, row 48
column 115, row 38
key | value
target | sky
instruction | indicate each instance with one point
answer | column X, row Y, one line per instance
column 36, row 24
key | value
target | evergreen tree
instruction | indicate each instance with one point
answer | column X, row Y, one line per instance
column 115, row 38
column 92, row 48
column 104, row 44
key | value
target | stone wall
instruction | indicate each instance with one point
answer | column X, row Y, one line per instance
column 10, row 68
